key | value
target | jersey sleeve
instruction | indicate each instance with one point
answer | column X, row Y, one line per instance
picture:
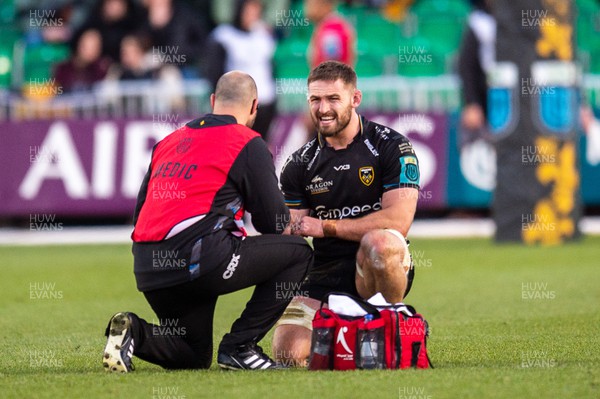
column 400, row 164
column 292, row 186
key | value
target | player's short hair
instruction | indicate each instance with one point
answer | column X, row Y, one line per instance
column 235, row 87
column 332, row 71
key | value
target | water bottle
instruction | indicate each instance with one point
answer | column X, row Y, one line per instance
column 323, row 341
column 369, row 358
column 321, row 356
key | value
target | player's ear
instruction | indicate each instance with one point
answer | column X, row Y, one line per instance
column 356, row 98
column 212, row 100
column 254, row 107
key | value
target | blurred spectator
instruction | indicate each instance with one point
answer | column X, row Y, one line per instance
column 333, row 37
column 49, row 22
column 246, row 45
column 85, row 67
column 135, row 63
column 57, row 29
column 138, row 64
column 223, row 11
column 204, row 8
column 177, row 32
column 477, row 55
column 114, row 19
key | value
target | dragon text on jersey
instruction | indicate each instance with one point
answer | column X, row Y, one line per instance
column 233, row 264
column 318, row 185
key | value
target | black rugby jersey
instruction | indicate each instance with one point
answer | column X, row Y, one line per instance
column 348, row 183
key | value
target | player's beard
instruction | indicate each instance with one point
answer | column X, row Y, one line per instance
column 341, row 121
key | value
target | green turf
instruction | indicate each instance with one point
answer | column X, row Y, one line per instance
column 488, row 339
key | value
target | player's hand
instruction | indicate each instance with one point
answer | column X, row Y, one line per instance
column 309, row 227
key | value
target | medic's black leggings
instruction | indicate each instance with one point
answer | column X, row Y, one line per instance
column 183, row 338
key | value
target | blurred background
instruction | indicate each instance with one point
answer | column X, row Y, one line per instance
column 88, row 87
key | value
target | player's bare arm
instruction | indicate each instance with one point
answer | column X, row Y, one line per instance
column 398, row 210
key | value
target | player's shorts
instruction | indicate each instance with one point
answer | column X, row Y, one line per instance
column 336, row 275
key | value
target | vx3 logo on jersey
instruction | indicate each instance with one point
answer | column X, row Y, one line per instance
column 342, row 167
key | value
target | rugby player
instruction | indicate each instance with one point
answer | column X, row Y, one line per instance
column 190, row 246
column 354, row 189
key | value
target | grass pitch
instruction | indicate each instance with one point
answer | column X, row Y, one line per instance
column 507, row 321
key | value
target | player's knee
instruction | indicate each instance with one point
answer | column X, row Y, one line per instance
column 291, row 345
column 378, row 248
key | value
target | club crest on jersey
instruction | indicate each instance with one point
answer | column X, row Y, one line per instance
column 184, row 145
column 366, row 175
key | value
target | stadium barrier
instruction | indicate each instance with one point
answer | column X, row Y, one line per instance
column 90, row 161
